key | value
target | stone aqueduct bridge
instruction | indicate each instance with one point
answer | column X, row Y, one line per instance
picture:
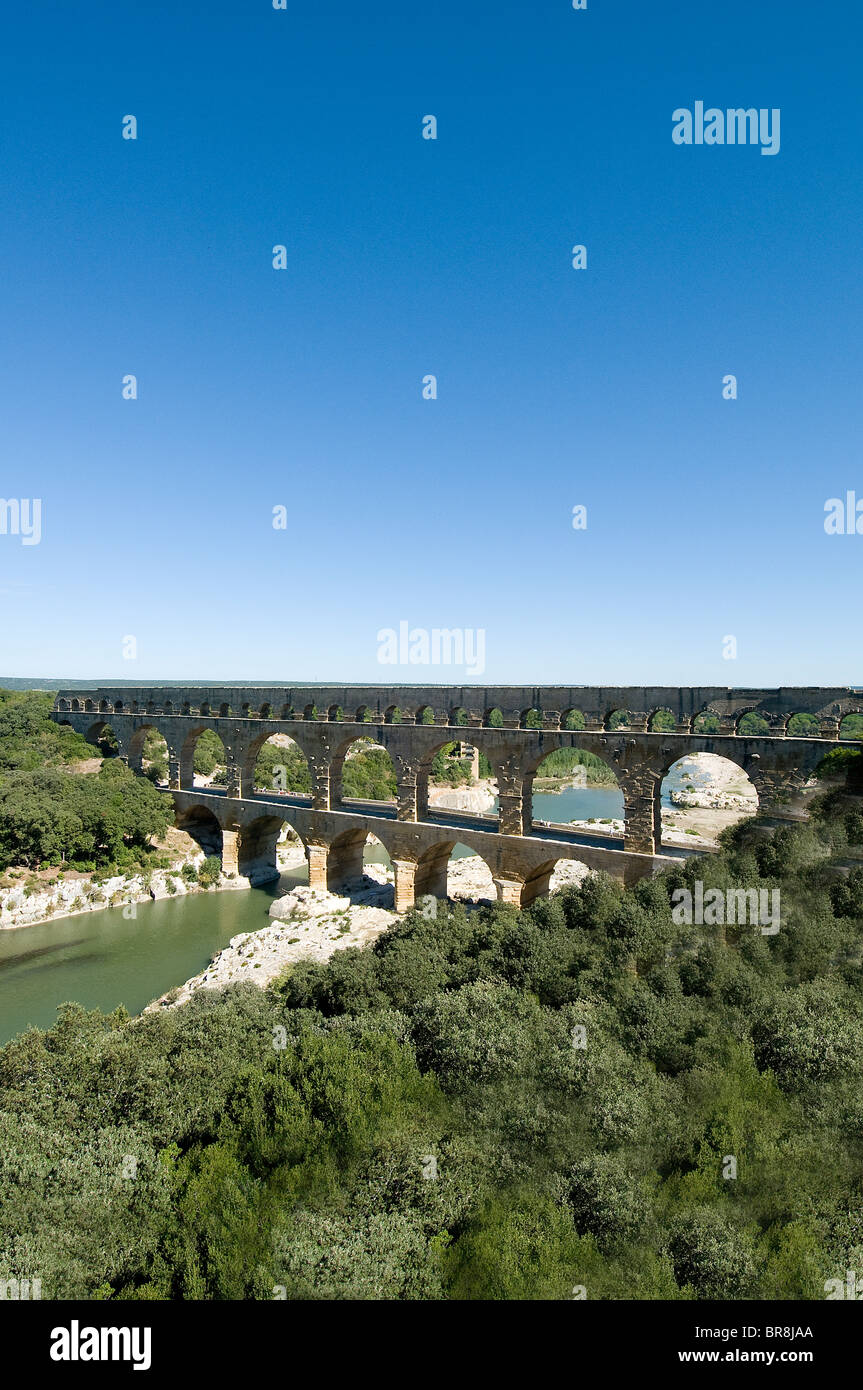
column 243, row 825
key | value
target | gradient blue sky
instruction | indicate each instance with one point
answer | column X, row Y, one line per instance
column 407, row 257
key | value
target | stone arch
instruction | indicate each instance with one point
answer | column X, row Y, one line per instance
column 310, row 711
column 363, row 715
column 104, row 707
column 493, row 718
column 530, row 718
column 425, row 767
column 457, row 716
column 426, row 715
column 346, row 859
column 141, row 753
column 661, row 720
column 370, row 768
column 103, row 737
column 851, row 724
column 257, row 848
column 200, row 766
column 561, row 763
column 186, row 707
column 393, row 715
column 89, row 706
column 573, row 720
column 706, row 722
column 169, row 707
column 335, row 714
column 76, row 706
column 201, row 823
column 225, row 710
column 205, row 710
column 712, row 778
column 265, row 712
column 277, row 763
column 287, row 712
column 64, row 705
column 751, row 723
column 550, row 877
column 618, row 719
column 437, row 874
column 802, row 724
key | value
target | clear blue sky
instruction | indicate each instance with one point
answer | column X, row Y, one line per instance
column 556, row 387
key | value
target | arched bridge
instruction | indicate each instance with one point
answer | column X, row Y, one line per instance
column 639, row 732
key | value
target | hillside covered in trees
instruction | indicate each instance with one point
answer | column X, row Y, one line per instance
column 493, row 1105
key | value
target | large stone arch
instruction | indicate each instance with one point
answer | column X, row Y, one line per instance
column 339, row 756
column 433, row 876
column 303, row 742
column 533, row 760
column 744, row 785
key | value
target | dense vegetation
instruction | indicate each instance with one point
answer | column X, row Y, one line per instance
column 51, row 816
column 487, row 1105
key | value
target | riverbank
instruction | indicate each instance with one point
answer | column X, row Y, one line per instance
column 311, row 924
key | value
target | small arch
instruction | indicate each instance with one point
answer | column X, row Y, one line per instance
column 493, row 718
column 76, row 706
column 706, row 722
column 287, row 712
column 118, row 706
column 363, row 715
column 104, row 707
column 169, row 708
column 572, row 720
column 425, row 715
column 752, row 724
column 851, row 725
column 225, row 710
column 618, row 719
column 530, row 718
column 205, row 710
column 458, row 716
column 89, row 707
column 335, row 714
column 662, row 721
column 803, row 725
column 246, row 711
column 393, row 715
column 310, row 712
column 265, row 712
column 187, row 707
column 63, row 705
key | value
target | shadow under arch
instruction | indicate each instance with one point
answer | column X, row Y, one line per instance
column 204, row 828
column 202, row 760
column 700, row 794
column 347, row 857
column 257, row 848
